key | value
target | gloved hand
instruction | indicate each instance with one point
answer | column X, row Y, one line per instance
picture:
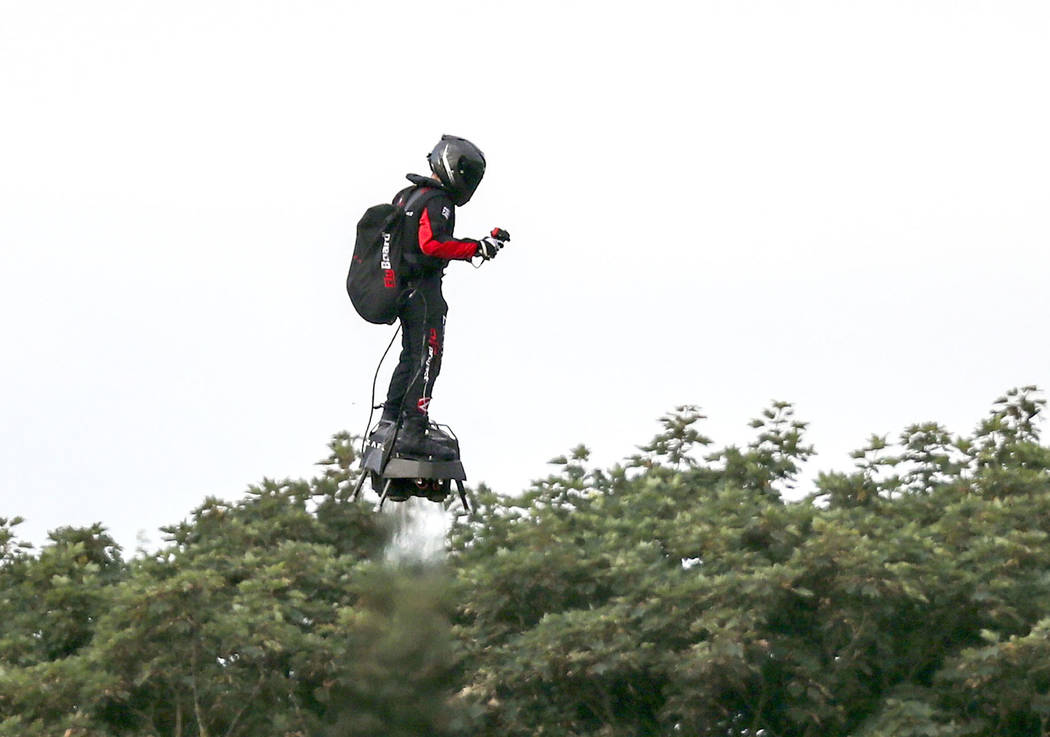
column 489, row 246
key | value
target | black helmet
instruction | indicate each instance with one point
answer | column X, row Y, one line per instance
column 460, row 165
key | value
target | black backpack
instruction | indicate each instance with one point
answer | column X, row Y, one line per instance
column 383, row 257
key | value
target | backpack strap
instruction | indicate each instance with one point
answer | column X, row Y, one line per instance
column 419, row 195
column 412, row 206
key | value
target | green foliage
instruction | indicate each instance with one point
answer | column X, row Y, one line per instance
column 678, row 597
column 273, row 615
column 678, row 593
column 50, row 602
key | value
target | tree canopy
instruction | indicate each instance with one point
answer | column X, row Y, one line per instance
column 689, row 590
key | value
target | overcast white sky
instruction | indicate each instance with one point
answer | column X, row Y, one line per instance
column 839, row 204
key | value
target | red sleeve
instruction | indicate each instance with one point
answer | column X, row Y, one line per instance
column 442, row 245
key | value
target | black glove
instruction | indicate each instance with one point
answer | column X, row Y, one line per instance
column 489, row 246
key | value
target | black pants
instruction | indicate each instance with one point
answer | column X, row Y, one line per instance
column 422, row 313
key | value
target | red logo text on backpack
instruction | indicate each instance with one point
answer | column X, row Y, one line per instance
column 389, row 278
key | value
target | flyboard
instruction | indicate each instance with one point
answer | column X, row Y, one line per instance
column 399, row 477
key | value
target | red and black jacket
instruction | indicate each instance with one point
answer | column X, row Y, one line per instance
column 434, row 245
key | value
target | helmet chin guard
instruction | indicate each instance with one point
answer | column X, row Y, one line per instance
column 460, row 165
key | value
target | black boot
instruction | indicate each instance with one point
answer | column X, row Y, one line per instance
column 381, row 432
column 414, row 439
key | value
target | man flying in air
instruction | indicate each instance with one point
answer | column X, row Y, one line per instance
column 457, row 167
